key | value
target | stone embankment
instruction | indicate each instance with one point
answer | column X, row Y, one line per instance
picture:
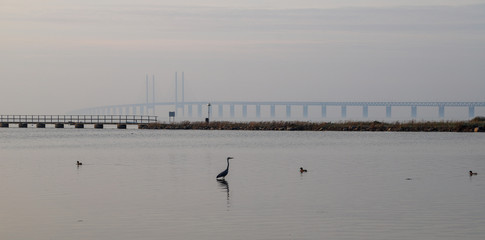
column 475, row 125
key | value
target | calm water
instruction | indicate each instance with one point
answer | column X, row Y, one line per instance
column 148, row 184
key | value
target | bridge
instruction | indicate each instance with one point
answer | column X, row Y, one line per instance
column 77, row 120
column 187, row 108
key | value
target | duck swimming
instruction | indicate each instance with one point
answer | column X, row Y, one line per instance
column 302, row 170
column 79, row 163
column 473, row 173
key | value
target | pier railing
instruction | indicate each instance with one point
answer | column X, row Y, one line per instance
column 73, row 119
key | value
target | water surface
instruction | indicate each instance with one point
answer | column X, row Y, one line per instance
column 160, row 184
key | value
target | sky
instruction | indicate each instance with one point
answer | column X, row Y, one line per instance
column 58, row 56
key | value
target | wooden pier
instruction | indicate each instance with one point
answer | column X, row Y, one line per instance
column 78, row 121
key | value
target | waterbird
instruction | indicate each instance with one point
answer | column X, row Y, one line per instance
column 224, row 173
column 473, row 173
column 302, row 170
column 79, row 163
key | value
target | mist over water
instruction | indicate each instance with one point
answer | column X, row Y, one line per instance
column 137, row 184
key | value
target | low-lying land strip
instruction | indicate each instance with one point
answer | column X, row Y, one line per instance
column 475, row 125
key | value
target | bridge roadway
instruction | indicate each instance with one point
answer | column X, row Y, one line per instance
column 77, row 120
column 144, row 108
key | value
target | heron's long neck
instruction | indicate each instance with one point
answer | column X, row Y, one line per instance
column 227, row 164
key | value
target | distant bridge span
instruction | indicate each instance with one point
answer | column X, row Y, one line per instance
column 188, row 107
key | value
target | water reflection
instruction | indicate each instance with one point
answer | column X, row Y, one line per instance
column 224, row 185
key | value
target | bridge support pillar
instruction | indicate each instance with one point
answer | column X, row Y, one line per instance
column 189, row 108
column 324, row 111
column 98, row 125
column 245, row 111
column 59, row 125
column 221, row 109
column 40, row 125
column 414, row 111
column 258, row 111
column 344, row 111
column 388, row 112
column 471, row 111
column 305, row 111
column 121, row 126
column 22, row 125
column 4, row 125
column 365, row 111
column 273, row 111
column 133, row 110
column 441, row 111
column 288, row 111
column 232, row 110
column 199, row 110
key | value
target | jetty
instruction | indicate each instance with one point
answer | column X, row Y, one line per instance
column 78, row 121
column 474, row 125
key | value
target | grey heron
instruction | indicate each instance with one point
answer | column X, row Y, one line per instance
column 224, row 173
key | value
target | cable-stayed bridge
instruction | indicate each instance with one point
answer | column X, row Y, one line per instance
column 271, row 109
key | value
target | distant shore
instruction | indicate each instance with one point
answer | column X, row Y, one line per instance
column 475, row 125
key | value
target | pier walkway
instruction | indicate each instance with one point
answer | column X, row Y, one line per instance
column 77, row 120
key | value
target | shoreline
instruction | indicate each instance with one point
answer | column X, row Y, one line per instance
column 475, row 125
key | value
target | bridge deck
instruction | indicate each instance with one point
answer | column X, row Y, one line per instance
column 72, row 119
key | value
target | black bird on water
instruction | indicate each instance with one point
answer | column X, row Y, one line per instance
column 473, row 173
column 79, row 163
column 224, row 173
column 302, row 170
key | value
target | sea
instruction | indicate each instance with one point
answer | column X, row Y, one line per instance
column 161, row 184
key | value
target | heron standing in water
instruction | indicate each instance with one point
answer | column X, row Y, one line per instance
column 224, row 173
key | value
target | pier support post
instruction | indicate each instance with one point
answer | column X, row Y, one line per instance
column 121, row 126
column 441, row 111
column 471, row 111
column 40, row 125
column 245, row 111
column 344, row 111
column 232, row 110
column 258, row 111
column 221, row 110
column 79, row 125
column 189, row 109
column 199, row 110
column 288, row 111
column 305, row 111
column 324, row 111
column 273, row 110
column 59, row 125
column 388, row 112
column 4, row 125
column 365, row 111
column 22, row 125
column 414, row 111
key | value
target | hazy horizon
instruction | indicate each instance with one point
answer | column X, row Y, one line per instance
column 58, row 56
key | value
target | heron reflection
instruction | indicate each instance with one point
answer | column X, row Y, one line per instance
column 224, row 186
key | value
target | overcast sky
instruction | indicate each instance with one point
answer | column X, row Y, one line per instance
column 62, row 55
